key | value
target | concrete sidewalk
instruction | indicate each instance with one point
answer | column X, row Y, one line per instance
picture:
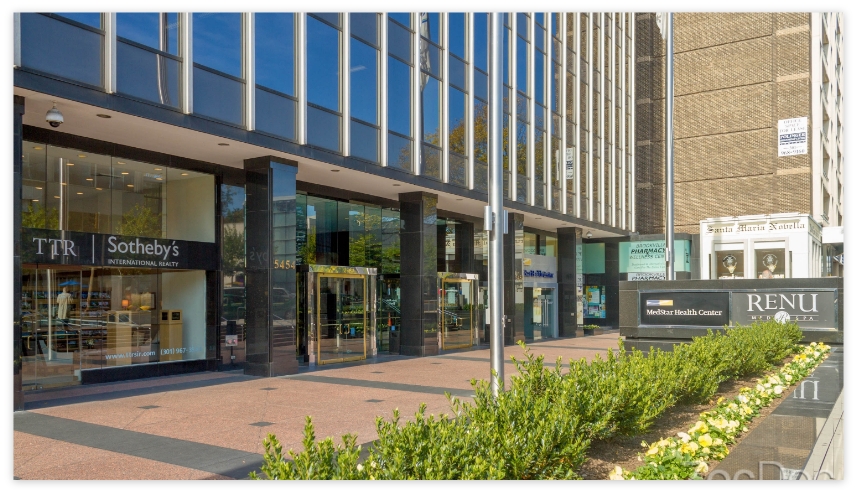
column 211, row 425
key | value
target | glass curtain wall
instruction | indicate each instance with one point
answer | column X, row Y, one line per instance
column 324, row 91
column 557, row 158
column 364, row 58
column 523, row 97
column 148, row 65
column 480, row 101
column 400, row 64
column 431, row 95
column 69, row 45
column 458, row 92
column 218, row 73
column 233, row 302
column 276, row 102
column 540, row 141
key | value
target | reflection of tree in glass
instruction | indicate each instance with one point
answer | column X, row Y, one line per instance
column 39, row 217
column 306, row 252
column 233, row 251
column 140, row 221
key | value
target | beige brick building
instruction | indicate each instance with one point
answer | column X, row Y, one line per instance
column 736, row 76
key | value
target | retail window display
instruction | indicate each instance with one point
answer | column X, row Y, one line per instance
column 595, row 302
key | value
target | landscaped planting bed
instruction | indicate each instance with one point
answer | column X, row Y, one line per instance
column 544, row 424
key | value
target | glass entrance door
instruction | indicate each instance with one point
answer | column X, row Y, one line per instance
column 341, row 317
column 456, row 313
column 389, row 313
column 543, row 314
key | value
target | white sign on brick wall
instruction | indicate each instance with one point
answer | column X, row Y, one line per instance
column 792, row 136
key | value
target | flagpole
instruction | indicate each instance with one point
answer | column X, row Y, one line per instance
column 495, row 205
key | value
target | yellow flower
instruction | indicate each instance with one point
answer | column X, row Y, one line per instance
column 616, row 473
column 702, row 467
column 652, row 451
column 692, row 446
column 720, row 399
column 699, row 426
column 705, row 440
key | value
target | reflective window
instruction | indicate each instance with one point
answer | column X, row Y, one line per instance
column 217, row 96
column 430, row 26
column 480, row 84
column 55, row 47
column 458, row 73
column 151, row 74
column 399, row 96
column 330, row 17
column 158, row 31
column 431, row 109
column 480, row 41
column 275, row 114
column 522, row 65
column 365, row 27
column 480, row 131
column 399, row 42
column 323, row 128
column 402, row 18
column 540, row 77
column 91, row 19
column 364, row 82
column 217, row 42
column 399, row 151
column 275, row 52
column 457, row 35
column 364, row 141
column 322, row 64
column 523, row 25
column 457, row 122
column 430, row 60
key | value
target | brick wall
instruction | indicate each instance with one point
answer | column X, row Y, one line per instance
column 736, row 75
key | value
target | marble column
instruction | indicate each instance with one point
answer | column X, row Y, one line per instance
column 17, row 164
column 568, row 239
column 270, row 280
column 418, row 231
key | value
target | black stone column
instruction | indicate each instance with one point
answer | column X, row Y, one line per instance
column 17, row 164
column 270, row 281
column 513, row 279
column 418, row 233
column 566, row 267
column 464, row 247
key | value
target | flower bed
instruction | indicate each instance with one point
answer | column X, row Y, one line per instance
column 686, row 456
column 542, row 426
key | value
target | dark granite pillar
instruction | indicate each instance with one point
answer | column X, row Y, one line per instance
column 566, row 267
column 418, row 277
column 464, row 247
column 270, row 282
column 17, row 163
column 513, row 279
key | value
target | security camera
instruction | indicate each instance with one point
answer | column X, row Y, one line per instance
column 54, row 117
column 589, row 235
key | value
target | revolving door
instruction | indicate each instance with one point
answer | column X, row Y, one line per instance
column 336, row 313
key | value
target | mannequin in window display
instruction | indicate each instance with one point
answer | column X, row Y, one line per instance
column 63, row 301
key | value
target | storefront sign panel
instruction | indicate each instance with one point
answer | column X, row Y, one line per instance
column 649, row 257
column 82, row 248
column 700, row 309
column 809, row 309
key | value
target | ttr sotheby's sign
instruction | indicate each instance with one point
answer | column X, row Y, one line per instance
column 81, row 248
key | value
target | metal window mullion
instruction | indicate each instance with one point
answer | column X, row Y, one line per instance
column 632, row 145
column 548, row 141
column 563, row 102
column 109, row 60
column 16, row 57
column 248, row 21
column 300, row 63
column 186, row 47
column 623, row 183
column 613, row 121
column 513, row 107
column 415, row 96
column 589, row 116
column 531, row 111
column 576, row 113
column 602, row 35
column 345, row 89
column 469, row 20
column 382, row 98
column 444, row 118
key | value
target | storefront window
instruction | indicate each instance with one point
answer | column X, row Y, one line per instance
column 770, row 260
column 72, row 190
column 729, row 263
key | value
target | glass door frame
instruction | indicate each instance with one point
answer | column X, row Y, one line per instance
column 318, row 280
column 444, row 277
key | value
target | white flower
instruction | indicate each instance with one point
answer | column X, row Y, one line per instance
column 360, row 467
column 743, row 398
column 616, row 473
column 778, row 390
column 684, row 436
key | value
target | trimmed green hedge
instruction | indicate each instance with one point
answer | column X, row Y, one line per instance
column 542, row 426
